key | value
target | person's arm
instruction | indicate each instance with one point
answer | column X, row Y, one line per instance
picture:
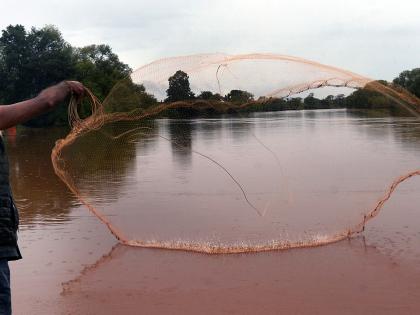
column 14, row 114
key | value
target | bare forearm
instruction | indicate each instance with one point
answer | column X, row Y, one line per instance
column 12, row 115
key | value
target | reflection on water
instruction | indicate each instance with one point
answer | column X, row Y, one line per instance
column 181, row 135
column 304, row 175
column 344, row 156
column 40, row 195
column 108, row 173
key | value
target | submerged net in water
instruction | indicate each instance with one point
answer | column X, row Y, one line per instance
column 240, row 183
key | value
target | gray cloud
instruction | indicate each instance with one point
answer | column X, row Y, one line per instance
column 375, row 38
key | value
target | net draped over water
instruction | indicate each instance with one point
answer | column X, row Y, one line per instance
column 234, row 183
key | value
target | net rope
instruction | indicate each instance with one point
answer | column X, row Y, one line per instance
column 221, row 69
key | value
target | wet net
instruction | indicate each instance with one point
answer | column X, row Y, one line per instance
column 221, row 172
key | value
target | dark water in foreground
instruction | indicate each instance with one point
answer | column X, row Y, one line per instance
column 322, row 170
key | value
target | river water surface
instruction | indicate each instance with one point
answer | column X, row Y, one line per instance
column 305, row 175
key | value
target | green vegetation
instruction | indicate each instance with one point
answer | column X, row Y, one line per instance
column 410, row 80
column 179, row 88
column 207, row 103
column 239, row 97
column 31, row 60
column 207, row 95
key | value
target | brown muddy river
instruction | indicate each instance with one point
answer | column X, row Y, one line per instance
column 305, row 175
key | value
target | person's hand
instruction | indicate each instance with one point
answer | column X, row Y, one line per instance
column 58, row 93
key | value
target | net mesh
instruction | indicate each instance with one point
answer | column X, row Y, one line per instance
column 165, row 183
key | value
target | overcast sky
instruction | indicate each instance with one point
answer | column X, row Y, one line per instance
column 369, row 37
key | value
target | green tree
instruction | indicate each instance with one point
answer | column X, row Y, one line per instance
column 339, row 100
column 127, row 96
column 239, row 96
column 99, row 69
column 310, row 101
column 205, row 95
column 410, row 80
column 294, row 103
column 31, row 61
column 208, row 95
column 14, row 57
column 366, row 98
column 179, row 88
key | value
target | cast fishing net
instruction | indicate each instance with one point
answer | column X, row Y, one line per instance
column 159, row 179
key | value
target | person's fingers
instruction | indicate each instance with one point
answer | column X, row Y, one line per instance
column 76, row 87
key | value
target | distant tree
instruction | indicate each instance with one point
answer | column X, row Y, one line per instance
column 294, row 103
column 410, row 80
column 338, row 101
column 31, row 61
column 239, row 96
column 358, row 99
column 217, row 97
column 265, row 104
column 14, row 56
column 369, row 99
column 275, row 104
column 127, row 96
column 99, row 69
column 310, row 101
column 179, row 87
column 205, row 95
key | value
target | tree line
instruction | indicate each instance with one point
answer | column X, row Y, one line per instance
column 31, row 60
column 364, row 98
